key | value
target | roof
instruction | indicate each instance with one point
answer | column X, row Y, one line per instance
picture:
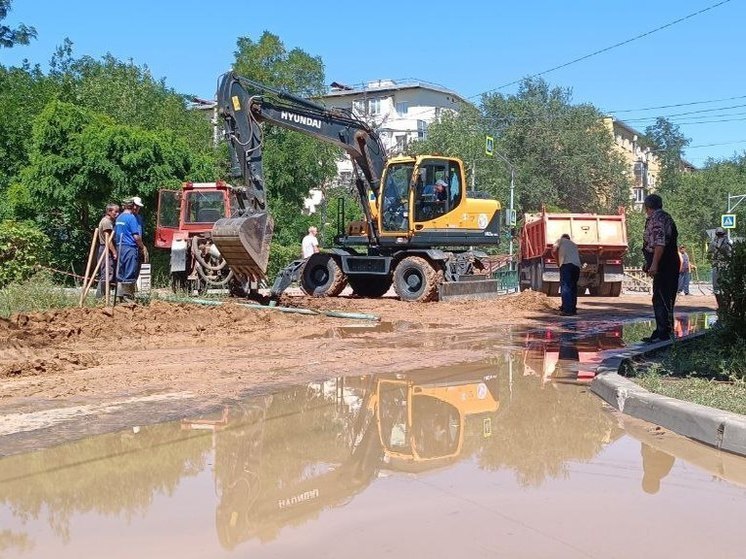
column 386, row 86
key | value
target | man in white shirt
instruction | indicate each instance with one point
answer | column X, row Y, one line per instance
column 568, row 259
column 310, row 244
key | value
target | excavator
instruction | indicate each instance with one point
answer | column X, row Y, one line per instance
column 414, row 236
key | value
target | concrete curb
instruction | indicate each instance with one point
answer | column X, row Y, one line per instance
column 720, row 429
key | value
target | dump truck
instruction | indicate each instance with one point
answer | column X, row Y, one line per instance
column 422, row 244
column 602, row 243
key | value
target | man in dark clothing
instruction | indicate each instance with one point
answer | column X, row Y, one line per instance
column 106, row 244
column 659, row 247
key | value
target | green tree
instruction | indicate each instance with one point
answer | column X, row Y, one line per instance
column 20, row 35
column 80, row 160
column 23, row 247
column 563, row 152
column 668, row 144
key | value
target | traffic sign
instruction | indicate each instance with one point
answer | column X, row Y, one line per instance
column 510, row 217
column 728, row 221
column 489, row 145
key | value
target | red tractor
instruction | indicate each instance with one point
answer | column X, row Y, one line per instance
column 185, row 221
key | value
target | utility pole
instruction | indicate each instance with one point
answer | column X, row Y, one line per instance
column 512, row 200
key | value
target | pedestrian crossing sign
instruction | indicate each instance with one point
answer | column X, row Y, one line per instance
column 728, row 221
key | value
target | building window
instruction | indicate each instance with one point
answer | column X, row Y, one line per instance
column 639, row 195
column 401, row 143
column 358, row 107
column 374, row 107
column 402, row 108
column 421, row 129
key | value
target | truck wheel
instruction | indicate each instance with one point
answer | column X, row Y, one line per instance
column 616, row 289
column 322, row 277
column 369, row 285
column 552, row 288
column 415, row 279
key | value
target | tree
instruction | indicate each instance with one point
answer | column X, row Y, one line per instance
column 563, row 152
column 668, row 144
column 80, row 160
column 10, row 37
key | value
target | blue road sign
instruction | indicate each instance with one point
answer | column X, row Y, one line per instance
column 728, row 221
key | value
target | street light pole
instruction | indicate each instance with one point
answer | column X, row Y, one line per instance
column 512, row 198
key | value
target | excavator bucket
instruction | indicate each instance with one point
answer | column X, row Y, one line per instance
column 244, row 243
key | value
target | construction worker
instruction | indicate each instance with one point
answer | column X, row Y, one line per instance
column 660, row 248
column 568, row 258
column 131, row 249
column 105, row 239
column 310, row 244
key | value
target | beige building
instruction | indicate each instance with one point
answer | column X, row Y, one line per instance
column 643, row 165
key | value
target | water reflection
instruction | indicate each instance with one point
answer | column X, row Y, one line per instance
column 656, row 465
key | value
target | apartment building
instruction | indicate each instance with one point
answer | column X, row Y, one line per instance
column 644, row 166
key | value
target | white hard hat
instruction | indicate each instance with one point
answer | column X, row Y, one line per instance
column 137, row 201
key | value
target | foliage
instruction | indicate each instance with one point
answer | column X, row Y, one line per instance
column 23, row 247
column 563, row 153
column 80, row 160
column 732, row 280
column 668, row 144
column 23, row 94
column 279, row 257
column 10, row 37
column 635, row 226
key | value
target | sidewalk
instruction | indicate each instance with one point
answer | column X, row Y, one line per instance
column 717, row 428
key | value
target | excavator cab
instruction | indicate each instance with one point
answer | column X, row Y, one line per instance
column 418, row 191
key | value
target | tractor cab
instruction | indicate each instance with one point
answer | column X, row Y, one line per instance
column 193, row 210
column 185, row 223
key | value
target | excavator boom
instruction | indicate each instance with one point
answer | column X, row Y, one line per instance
column 244, row 240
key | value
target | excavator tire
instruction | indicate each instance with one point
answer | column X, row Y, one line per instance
column 322, row 277
column 415, row 279
column 371, row 286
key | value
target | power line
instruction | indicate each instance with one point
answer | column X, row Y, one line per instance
column 677, row 105
column 718, row 144
column 606, row 49
column 698, row 111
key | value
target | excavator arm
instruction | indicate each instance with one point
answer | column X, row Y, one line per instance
column 244, row 105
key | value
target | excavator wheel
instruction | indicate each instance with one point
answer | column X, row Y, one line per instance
column 322, row 277
column 369, row 285
column 415, row 279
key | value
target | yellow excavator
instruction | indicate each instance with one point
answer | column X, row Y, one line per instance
column 420, row 222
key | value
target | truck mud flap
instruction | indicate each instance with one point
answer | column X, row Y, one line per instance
column 470, row 289
column 244, row 243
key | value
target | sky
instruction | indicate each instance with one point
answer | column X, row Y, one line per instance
column 471, row 47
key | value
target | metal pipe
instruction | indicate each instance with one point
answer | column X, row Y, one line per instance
column 293, row 310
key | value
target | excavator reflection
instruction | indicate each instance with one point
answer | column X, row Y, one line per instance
column 281, row 460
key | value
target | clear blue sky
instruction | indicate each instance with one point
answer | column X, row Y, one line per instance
column 470, row 46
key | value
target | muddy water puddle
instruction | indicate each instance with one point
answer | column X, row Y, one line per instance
column 487, row 459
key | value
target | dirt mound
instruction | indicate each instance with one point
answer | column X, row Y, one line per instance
column 152, row 325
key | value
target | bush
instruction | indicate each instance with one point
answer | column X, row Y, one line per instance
column 279, row 257
column 23, row 248
column 732, row 307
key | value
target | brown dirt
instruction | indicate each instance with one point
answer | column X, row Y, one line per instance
column 227, row 350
